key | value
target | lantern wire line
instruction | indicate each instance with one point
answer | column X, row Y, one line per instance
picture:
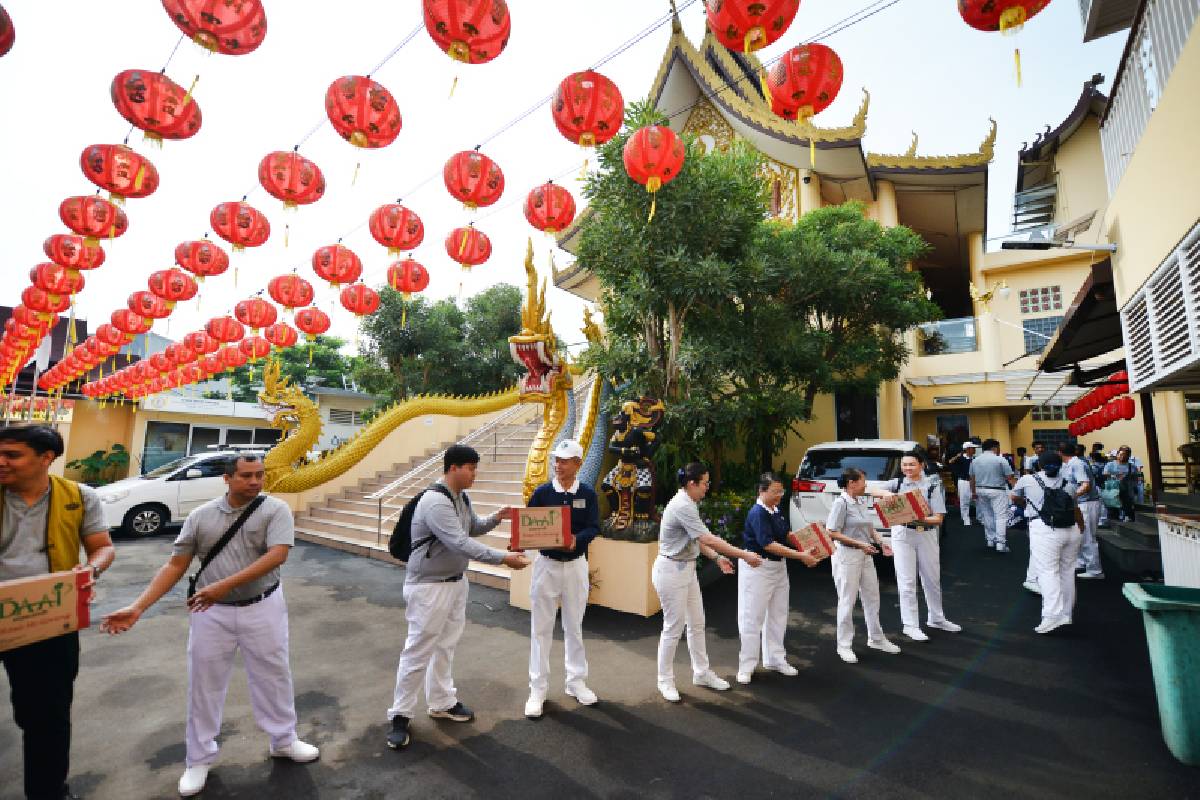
column 174, row 50
column 412, row 34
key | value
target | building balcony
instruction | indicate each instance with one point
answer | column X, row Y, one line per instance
column 948, row 337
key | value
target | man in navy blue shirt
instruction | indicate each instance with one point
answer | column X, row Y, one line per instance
column 561, row 576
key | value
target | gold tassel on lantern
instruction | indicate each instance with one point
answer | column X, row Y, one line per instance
column 653, row 184
column 1011, row 21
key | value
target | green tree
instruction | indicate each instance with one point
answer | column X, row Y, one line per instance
column 327, row 367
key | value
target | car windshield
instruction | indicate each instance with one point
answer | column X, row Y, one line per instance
column 877, row 465
column 171, row 466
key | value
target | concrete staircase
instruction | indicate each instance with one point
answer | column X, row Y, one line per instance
column 352, row 521
column 1133, row 546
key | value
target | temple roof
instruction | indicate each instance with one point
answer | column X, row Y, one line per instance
column 910, row 161
column 1032, row 168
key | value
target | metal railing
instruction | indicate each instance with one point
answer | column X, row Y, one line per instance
column 1154, row 48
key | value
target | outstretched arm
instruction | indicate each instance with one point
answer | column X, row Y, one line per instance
column 167, row 576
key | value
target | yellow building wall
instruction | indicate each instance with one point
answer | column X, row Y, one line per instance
column 1079, row 164
column 94, row 428
column 821, row 428
column 1156, row 202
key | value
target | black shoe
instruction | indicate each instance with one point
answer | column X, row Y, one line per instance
column 458, row 713
column 398, row 736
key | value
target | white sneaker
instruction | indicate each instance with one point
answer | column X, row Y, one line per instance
column 582, row 693
column 945, row 625
column 783, row 669
column 847, row 655
column 1051, row 623
column 1033, row 587
column 298, row 751
column 1091, row 575
column 193, row 780
column 669, row 692
column 916, row 634
column 711, row 680
column 1001, row 547
column 743, row 677
column 882, row 644
column 533, row 706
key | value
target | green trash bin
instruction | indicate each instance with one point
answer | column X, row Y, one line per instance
column 1172, row 617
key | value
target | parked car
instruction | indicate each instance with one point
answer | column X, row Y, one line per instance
column 815, row 487
column 146, row 504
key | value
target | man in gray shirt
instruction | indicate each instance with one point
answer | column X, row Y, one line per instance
column 435, row 592
column 991, row 477
column 238, row 605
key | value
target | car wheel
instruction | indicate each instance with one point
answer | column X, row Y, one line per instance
column 144, row 521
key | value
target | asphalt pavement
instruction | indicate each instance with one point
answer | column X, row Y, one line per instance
column 994, row 711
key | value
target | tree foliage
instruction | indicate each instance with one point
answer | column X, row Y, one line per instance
column 327, row 367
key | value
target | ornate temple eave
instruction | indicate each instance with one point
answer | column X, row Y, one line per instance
column 910, row 161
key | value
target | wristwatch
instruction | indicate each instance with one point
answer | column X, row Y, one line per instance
column 95, row 571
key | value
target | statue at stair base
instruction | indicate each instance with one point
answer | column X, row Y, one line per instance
column 629, row 487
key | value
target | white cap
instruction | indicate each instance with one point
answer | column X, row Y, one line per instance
column 969, row 444
column 568, row 448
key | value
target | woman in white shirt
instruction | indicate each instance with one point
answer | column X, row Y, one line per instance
column 1054, row 549
column 851, row 524
column 682, row 538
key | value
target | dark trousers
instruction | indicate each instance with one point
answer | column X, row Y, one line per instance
column 42, row 678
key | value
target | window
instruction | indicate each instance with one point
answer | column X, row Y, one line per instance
column 857, row 415
column 827, row 465
column 344, row 416
column 1049, row 413
column 165, row 442
column 1046, row 298
column 953, row 430
column 1052, row 438
column 1039, row 332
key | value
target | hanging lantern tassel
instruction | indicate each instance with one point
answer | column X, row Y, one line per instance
column 354, row 178
column 310, row 352
column 1011, row 21
column 653, row 184
column 286, row 231
column 187, row 98
column 1017, row 60
column 762, row 85
column 462, row 248
column 139, row 178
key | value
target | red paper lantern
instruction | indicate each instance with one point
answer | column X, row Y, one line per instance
column 255, row 313
column 212, row 364
column 221, row 26
column 73, row 251
column 8, row 33
column 588, row 108
column 240, row 224
column 470, row 31
column 224, row 329
column 149, row 305
column 313, row 321
column 44, row 302
column 281, row 334
column 173, row 285
column 749, row 25
column 654, row 155
column 999, row 15
column 156, row 104
column 255, row 347
column 128, row 322
column 469, row 246
column 336, row 264
column 292, row 178
column 202, row 258
column 362, row 112
column 396, row 228
column 360, row 299
column 407, row 277
column 290, row 291
column 232, row 357
column 123, row 172
column 160, row 363
column 1128, row 408
column 473, row 179
column 112, row 336
column 180, row 354
column 805, row 81
column 549, row 207
column 200, row 342
column 93, row 217
column 55, row 279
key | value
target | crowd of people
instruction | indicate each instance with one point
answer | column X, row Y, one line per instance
column 243, row 538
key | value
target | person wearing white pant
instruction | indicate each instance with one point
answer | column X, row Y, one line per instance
column 851, row 525
column 237, row 605
column 560, row 577
column 763, row 593
column 917, row 552
column 1083, row 486
column 1054, row 548
column 682, row 538
column 991, row 477
column 960, row 468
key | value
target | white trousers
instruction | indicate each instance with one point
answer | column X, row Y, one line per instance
column 555, row 583
column 682, row 605
column 1089, row 553
column 1054, row 554
column 964, row 501
column 763, row 595
column 260, row 631
column 918, row 554
column 854, row 577
column 993, row 513
column 436, row 615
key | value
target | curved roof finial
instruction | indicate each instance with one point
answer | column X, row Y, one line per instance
column 676, row 26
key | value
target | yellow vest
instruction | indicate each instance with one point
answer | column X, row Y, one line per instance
column 64, row 518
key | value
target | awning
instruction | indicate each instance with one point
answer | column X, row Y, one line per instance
column 1090, row 328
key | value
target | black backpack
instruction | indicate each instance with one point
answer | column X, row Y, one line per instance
column 1058, row 507
column 401, row 545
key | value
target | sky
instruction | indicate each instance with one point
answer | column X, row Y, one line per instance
column 925, row 69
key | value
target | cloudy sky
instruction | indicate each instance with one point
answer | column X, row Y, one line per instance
column 925, row 69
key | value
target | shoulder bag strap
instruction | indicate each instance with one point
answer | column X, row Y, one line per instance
column 224, row 540
column 429, row 540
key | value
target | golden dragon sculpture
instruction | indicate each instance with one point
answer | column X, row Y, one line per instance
column 288, row 468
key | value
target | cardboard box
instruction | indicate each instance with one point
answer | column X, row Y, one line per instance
column 543, row 528
column 42, row 607
column 814, row 535
column 902, row 509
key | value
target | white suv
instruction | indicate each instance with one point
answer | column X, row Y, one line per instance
column 815, row 486
column 145, row 504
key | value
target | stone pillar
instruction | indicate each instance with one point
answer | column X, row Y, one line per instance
column 809, row 191
column 887, row 212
